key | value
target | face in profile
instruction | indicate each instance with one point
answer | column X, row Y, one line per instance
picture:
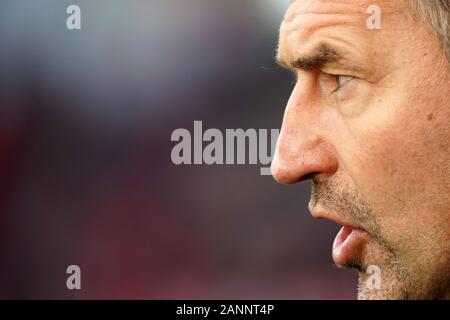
column 368, row 123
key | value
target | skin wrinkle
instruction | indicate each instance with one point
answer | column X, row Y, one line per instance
column 376, row 157
column 308, row 32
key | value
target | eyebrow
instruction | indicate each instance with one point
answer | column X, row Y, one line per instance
column 323, row 56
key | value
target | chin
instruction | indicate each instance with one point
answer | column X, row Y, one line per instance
column 390, row 289
column 365, row 294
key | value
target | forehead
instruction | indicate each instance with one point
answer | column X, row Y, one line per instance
column 321, row 6
column 339, row 20
column 302, row 8
column 330, row 6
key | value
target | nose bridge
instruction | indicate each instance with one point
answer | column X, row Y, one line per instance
column 301, row 147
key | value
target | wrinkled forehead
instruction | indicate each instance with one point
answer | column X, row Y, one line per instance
column 353, row 7
column 321, row 6
column 304, row 18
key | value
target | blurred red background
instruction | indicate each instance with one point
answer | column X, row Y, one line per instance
column 85, row 171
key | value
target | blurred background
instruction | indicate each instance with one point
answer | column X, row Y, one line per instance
column 86, row 176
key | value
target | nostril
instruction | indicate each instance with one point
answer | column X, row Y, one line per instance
column 308, row 176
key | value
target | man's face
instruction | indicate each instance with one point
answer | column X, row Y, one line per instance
column 368, row 122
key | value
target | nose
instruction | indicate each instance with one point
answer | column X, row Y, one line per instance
column 302, row 150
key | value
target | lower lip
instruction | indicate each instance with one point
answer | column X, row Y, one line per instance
column 347, row 245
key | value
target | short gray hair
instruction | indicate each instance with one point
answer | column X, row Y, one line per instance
column 436, row 13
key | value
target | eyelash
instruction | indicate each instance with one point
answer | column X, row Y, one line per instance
column 335, row 76
column 339, row 86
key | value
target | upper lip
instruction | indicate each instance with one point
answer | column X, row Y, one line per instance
column 323, row 214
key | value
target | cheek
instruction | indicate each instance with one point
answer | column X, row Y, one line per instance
column 387, row 153
column 368, row 155
column 376, row 150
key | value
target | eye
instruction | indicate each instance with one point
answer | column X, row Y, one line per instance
column 342, row 81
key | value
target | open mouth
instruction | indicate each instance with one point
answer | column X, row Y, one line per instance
column 348, row 245
column 349, row 242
